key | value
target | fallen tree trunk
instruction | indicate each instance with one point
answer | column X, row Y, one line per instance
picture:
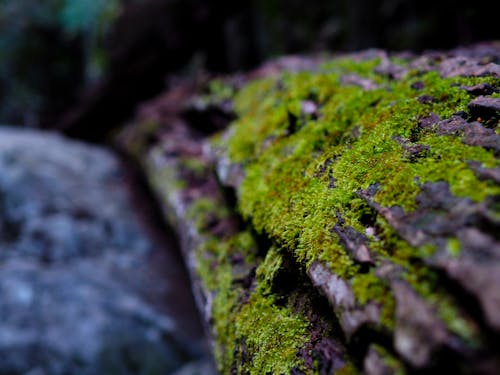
column 347, row 219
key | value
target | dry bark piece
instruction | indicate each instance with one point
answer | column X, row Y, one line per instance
column 356, row 243
column 412, row 151
column 377, row 362
column 441, row 216
column 466, row 67
column 485, row 107
column 353, row 79
column 480, row 89
column 341, row 297
column 476, row 134
column 418, row 332
column 485, row 173
column 429, row 122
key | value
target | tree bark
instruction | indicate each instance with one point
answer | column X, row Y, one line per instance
column 347, row 218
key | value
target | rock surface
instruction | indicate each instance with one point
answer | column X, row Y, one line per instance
column 83, row 287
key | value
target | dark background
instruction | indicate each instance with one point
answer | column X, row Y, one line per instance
column 84, row 64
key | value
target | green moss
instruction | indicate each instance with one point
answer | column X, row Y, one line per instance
column 260, row 329
column 273, row 335
column 453, row 247
column 456, row 323
column 282, row 193
column 299, row 178
column 216, row 276
column 302, row 172
column 281, row 332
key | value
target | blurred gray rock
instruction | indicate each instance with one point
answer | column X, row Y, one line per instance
column 77, row 272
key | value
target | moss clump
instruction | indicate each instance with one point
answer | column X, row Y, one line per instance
column 276, row 341
column 301, row 171
column 328, row 156
column 453, row 247
column 355, row 135
column 267, row 336
column 281, row 166
column 252, row 332
column 273, row 333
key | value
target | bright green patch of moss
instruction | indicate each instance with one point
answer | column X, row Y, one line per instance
column 282, row 193
column 453, row 247
column 272, row 334
column 300, row 177
column 269, row 334
column 281, row 332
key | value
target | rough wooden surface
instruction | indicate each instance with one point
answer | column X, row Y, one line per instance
column 347, row 219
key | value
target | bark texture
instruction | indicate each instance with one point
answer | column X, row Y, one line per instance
column 338, row 215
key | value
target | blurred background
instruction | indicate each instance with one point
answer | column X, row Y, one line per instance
column 64, row 63
column 91, row 282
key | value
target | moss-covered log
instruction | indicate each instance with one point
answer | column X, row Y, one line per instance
column 347, row 219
